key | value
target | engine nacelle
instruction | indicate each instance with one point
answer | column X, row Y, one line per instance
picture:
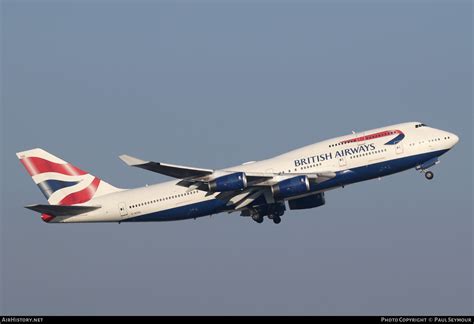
column 291, row 187
column 230, row 182
column 308, row 202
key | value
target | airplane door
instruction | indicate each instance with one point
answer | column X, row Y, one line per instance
column 342, row 161
column 399, row 148
column 123, row 209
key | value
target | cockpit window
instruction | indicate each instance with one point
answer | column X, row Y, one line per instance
column 420, row 125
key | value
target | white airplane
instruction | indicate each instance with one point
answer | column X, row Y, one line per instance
column 257, row 189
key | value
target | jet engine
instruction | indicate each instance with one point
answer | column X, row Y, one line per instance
column 308, row 202
column 230, row 182
column 291, row 187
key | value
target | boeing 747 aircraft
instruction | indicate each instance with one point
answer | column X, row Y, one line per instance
column 297, row 179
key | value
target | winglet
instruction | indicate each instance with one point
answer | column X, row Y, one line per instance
column 131, row 161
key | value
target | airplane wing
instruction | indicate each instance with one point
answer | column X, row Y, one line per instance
column 172, row 170
column 268, row 179
column 191, row 175
column 257, row 183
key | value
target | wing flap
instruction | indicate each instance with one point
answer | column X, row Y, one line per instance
column 249, row 200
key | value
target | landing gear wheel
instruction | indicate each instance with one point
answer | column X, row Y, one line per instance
column 429, row 175
column 276, row 219
column 258, row 218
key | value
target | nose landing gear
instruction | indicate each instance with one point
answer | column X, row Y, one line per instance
column 429, row 175
column 428, row 164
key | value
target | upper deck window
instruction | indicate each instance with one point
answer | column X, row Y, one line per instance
column 420, row 125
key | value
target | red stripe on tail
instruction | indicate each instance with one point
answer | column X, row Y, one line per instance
column 47, row 218
column 36, row 165
column 82, row 196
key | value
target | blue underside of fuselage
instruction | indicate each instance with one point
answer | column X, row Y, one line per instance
column 342, row 178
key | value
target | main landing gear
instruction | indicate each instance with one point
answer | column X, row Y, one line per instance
column 258, row 218
column 272, row 211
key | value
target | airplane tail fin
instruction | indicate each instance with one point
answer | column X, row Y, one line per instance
column 61, row 182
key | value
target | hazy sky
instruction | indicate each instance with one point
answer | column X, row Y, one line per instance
column 214, row 84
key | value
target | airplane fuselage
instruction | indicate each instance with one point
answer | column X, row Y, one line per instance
column 356, row 157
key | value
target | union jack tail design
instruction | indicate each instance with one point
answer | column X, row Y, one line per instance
column 61, row 182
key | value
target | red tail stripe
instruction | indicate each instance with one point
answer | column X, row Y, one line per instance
column 47, row 218
column 36, row 165
column 82, row 196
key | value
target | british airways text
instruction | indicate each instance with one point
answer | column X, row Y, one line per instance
column 329, row 156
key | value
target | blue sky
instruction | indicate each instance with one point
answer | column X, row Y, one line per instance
column 214, row 84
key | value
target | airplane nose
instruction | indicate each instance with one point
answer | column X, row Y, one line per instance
column 454, row 138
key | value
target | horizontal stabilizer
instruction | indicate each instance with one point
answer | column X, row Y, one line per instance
column 175, row 171
column 59, row 210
